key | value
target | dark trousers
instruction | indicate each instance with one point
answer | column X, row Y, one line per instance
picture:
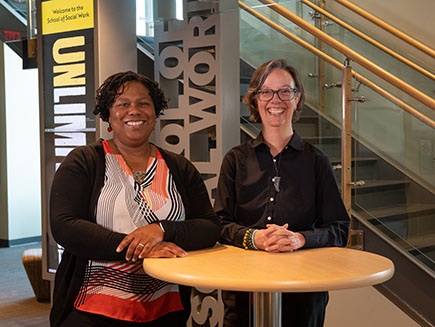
column 298, row 309
column 78, row 318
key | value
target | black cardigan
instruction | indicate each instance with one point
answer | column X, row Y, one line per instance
column 74, row 195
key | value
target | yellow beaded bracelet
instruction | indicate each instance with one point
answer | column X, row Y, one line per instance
column 248, row 239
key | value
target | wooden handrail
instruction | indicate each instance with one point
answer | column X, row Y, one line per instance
column 339, row 65
column 370, row 40
column 403, row 36
column 352, row 55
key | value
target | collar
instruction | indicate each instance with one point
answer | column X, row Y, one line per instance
column 296, row 142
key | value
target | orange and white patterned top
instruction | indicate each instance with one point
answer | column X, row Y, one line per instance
column 122, row 290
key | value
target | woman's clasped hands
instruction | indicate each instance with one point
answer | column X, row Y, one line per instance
column 277, row 238
column 147, row 242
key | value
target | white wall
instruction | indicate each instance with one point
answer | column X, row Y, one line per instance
column 22, row 148
column 364, row 307
column 3, row 171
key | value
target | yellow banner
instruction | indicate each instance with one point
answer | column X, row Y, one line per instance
column 63, row 16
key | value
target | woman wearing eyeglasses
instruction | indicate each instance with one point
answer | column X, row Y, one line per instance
column 278, row 193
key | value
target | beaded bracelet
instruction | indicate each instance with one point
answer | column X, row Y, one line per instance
column 252, row 239
column 248, row 240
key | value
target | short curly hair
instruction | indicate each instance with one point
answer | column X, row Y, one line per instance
column 113, row 87
column 259, row 77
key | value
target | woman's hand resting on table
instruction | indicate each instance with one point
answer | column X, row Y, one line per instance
column 166, row 250
column 278, row 239
column 141, row 242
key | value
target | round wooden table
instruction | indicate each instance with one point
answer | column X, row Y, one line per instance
column 309, row 270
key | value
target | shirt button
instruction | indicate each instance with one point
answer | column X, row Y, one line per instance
column 269, row 218
column 271, row 199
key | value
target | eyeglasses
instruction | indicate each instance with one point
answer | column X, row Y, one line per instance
column 283, row 94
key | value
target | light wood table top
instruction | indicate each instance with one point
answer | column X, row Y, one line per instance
column 311, row 270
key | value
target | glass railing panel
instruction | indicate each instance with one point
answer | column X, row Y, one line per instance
column 414, row 103
column 429, row 85
column 294, row 6
column 416, row 79
column 398, row 136
column 145, row 18
column 386, row 192
column 389, row 40
column 260, row 43
column 382, row 59
column 386, row 144
column 146, row 42
column 19, row 7
column 377, row 56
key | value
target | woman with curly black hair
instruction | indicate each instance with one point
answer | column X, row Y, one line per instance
column 118, row 201
column 113, row 86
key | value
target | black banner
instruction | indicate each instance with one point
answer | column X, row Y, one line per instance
column 68, row 94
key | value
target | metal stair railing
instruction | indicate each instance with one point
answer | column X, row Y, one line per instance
column 370, row 40
column 347, row 74
column 358, row 77
column 352, row 55
column 425, row 274
column 401, row 35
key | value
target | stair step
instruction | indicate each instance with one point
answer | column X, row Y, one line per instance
column 411, row 209
column 335, row 161
column 249, row 122
column 376, row 194
column 421, row 247
column 410, row 226
column 378, row 183
column 427, row 258
column 420, row 242
column 307, row 119
column 322, row 139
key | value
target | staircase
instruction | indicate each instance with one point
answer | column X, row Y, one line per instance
column 13, row 29
column 392, row 207
column 380, row 192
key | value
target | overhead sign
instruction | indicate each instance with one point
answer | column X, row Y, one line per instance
column 64, row 16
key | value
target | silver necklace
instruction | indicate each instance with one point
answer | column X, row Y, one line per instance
column 276, row 179
column 138, row 175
